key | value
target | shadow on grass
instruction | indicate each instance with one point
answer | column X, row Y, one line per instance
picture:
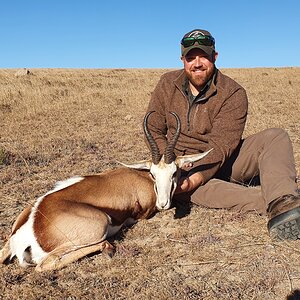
column 295, row 295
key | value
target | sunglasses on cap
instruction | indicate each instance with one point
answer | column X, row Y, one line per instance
column 204, row 40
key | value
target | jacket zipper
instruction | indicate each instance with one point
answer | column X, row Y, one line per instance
column 189, row 115
column 189, row 110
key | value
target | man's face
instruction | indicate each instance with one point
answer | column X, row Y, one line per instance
column 199, row 67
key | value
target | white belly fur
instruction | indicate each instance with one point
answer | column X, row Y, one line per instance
column 24, row 237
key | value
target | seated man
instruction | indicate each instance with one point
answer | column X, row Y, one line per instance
column 213, row 108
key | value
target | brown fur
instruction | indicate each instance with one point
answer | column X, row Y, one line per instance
column 72, row 222
column 74, row 212
column 21, row 219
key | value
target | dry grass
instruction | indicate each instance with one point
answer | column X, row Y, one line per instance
column 59, row 123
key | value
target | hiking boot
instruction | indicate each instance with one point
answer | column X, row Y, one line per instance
column 284, row 218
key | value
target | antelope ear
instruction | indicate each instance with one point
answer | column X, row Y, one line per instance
column 141, row 165
column 181, row 160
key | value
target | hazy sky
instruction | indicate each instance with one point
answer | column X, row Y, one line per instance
column 146, row 34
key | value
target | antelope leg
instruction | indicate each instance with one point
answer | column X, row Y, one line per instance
column 66, row 254
column 5, row 252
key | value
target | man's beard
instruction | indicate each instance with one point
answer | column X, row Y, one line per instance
column 198, row 80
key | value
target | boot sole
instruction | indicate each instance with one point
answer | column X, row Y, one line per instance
column 285, row 226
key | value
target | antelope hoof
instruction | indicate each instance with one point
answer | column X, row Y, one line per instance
column 108, row 249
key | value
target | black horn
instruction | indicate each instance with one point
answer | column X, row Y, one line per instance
column 153, row 145
column 169, row 151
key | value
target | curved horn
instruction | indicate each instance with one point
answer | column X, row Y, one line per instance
column 153, row 146
column 169, row 151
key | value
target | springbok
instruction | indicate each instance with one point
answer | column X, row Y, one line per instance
column 79, row 214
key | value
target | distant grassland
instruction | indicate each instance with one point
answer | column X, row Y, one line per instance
column 57, row 123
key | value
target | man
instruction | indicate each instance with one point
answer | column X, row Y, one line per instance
column 213, row 108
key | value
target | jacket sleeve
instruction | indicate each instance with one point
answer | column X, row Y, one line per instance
column 227, row 129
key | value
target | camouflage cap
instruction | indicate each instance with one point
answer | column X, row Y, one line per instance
column 195, row 33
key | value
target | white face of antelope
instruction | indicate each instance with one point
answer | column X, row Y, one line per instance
column 165, row 182
column 166, row 175
column 164, row 168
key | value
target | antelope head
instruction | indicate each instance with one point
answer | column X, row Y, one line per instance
column 165, row 168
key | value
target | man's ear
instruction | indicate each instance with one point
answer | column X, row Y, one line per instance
column 214, row 56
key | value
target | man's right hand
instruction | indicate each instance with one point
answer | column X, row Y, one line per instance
column 188, row 184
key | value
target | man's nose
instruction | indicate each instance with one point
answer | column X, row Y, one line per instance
column 198, row 61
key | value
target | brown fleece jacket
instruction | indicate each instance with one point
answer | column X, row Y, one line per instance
column 216, row 121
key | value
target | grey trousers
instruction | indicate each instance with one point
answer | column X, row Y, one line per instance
column 260, row 170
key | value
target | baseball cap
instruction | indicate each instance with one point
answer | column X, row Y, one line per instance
column 198, row 38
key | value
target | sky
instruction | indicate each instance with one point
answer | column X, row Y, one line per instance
column 146, row 34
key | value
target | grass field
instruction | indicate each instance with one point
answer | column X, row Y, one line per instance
column 57, row 123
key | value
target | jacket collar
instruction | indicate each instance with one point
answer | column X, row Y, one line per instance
column 180, row 83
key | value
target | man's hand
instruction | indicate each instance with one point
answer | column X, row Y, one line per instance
column 190, row 183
